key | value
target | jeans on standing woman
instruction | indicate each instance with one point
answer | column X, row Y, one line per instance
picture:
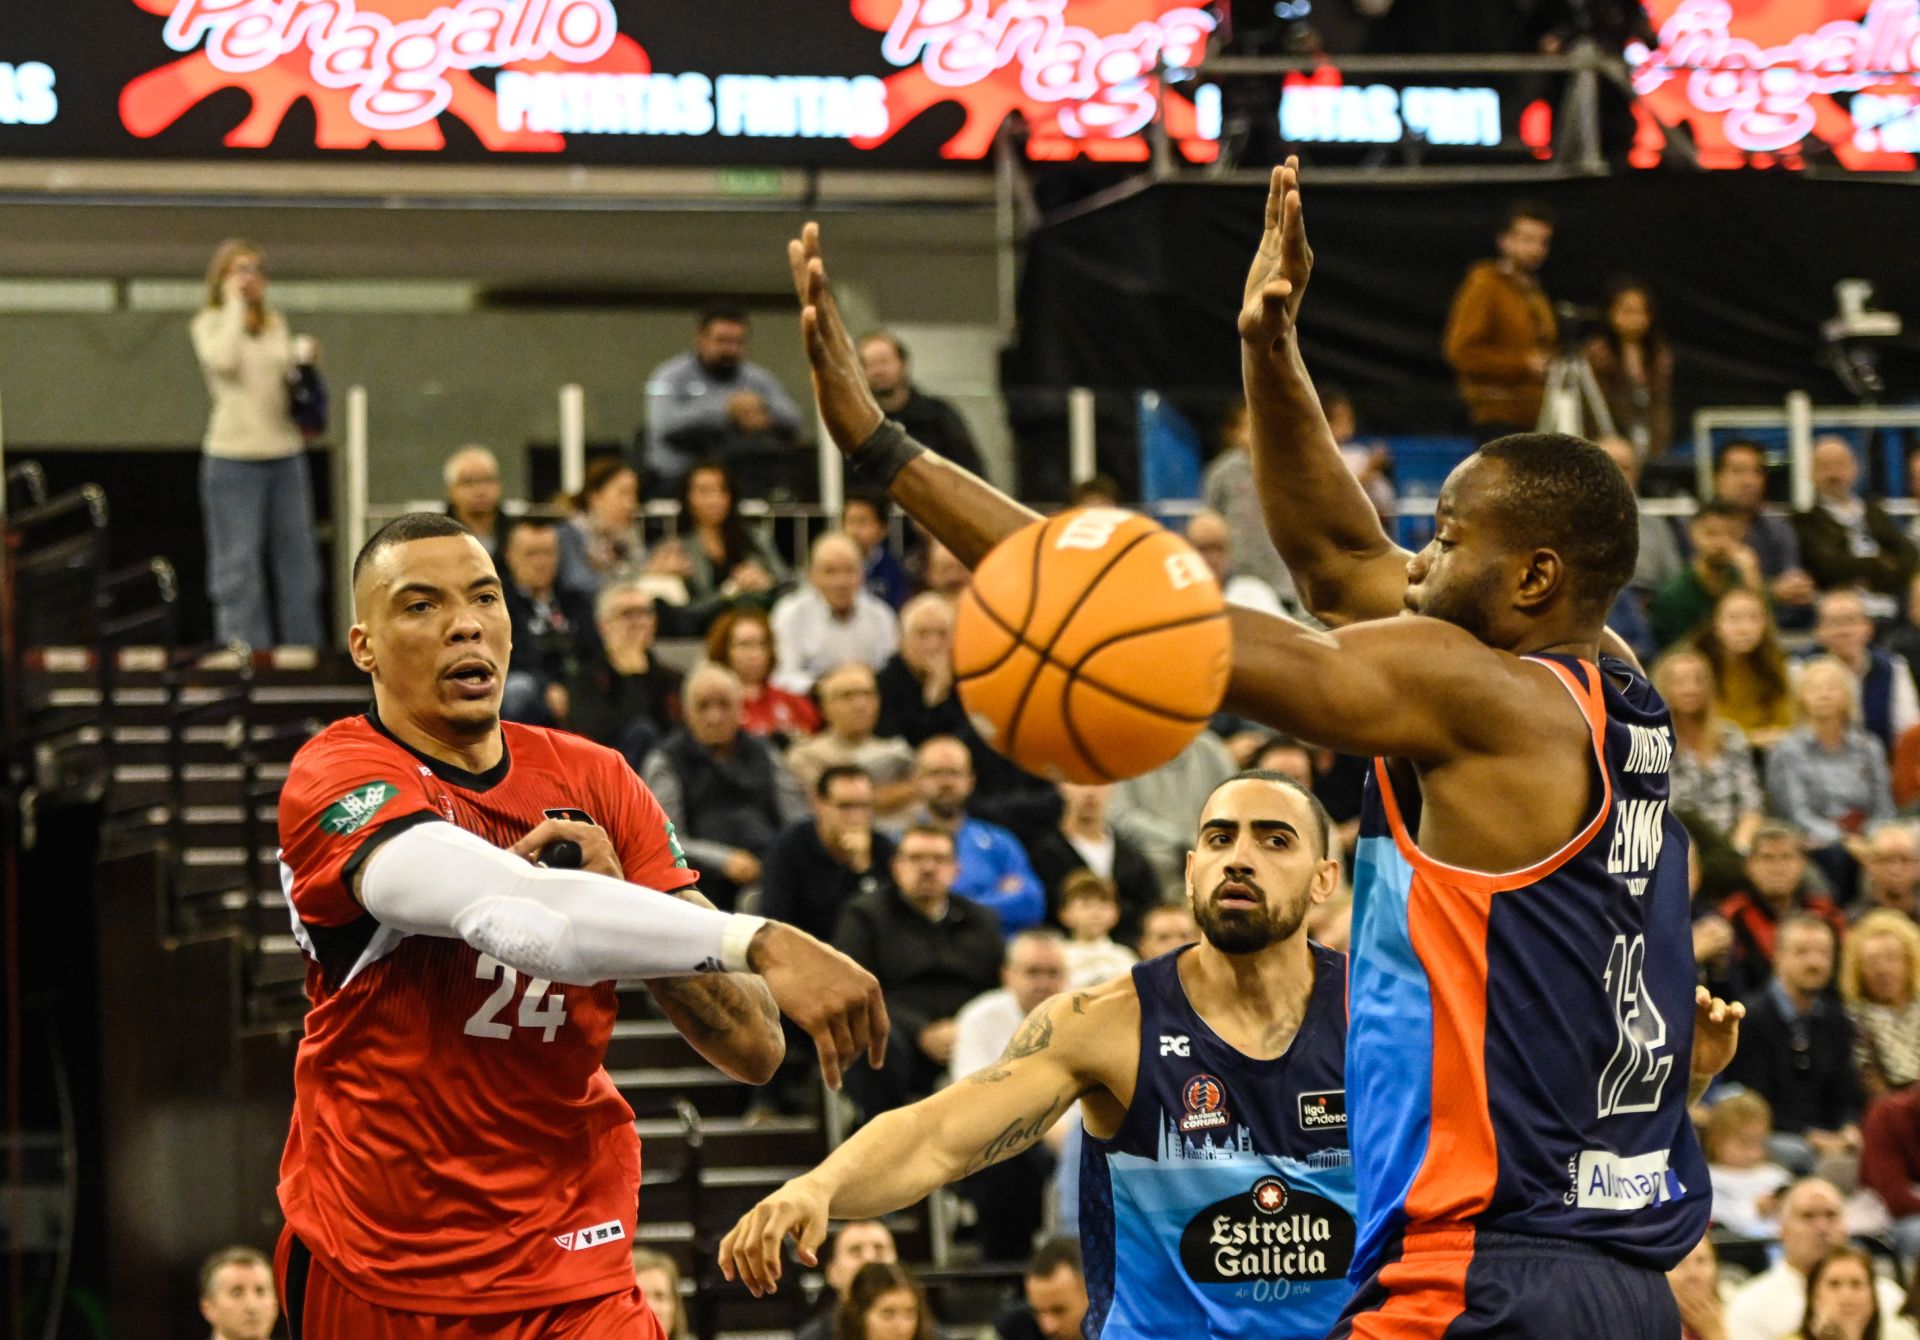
column 260, row 513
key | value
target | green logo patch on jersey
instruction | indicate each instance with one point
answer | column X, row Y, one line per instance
column 353, row 811
column 673, row 845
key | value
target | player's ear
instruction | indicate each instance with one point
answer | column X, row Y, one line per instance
column 1542, row 577
column 360, row 647
column 1326, row 881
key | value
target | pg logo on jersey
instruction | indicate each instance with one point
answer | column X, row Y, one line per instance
column 1175, row 1044
column 1205, row 1099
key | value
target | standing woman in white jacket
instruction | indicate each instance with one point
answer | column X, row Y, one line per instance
column 254, row 485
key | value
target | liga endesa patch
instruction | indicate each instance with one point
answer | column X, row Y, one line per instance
column 353, row 811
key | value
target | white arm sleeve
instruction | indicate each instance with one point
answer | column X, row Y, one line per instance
column 563, row 925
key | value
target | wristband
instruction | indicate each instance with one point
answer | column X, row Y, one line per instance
column 886, row 452
column 736, row 937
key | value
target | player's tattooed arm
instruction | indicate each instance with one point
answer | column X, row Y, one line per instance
column 730, row 1018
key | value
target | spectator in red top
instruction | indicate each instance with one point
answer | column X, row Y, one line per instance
column 1776, row 869
column 1890, row 1164
column 742, row 640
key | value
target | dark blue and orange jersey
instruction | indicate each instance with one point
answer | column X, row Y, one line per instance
column 1519, row 1047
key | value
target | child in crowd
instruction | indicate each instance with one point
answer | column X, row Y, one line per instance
column 863, row 517
column 1090, row 909
column 1746, row 1185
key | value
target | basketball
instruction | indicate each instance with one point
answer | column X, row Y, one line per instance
column 1092, row 646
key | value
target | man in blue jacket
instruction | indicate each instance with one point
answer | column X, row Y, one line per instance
column 994, row 870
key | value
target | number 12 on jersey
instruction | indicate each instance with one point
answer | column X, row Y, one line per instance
column 1636, row 1074
column 538, row 1009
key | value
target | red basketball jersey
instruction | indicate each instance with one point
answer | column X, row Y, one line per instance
column 456, row 1146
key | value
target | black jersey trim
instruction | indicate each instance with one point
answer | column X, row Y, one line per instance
column 448, row 772
column 338, row 948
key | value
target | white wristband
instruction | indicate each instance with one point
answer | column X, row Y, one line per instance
column 736, row 937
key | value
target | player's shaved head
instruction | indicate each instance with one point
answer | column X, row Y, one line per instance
column 404, row 530
column 1553, row 491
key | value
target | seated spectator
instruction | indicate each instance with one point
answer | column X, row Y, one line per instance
column 1696, row 1293
column 1890, row 1165
column 1713, row 772
column 1371, row 463
column 850, row 701
column 1776, row 889
column 1009, row 1197
column 659, row 1280
column 917, row 698
column 603, row 537
column 863, row 519
column 1228, row 489
column 1207, row 533
column 1903, row 639
column 831, row 619
column 710, row 401
column 933, row 951
column 1338, row 781
column 1633, row 367
column 1880, row 985
column 1796, row 1051
column 1890, row 872
column 1752, row 688
column 726, row 793
column 1828, row 776
column 1740, row 476
column 237, row 1296
column 819, row 865
column 1889, row 706
column 884, row 1302
column 1848, row 541
column 1054, row 1305
column 742, row 640
column 1154, row 810
column 1746, row 1183
column 624, row 698
column 927, row 418
column 552, row 626
column 854, row 1244
column 993, row 866
column 1772, row 1305
column 1841, row 1304
column 1085, row 840
column 727, row 561
column 1660, row 553
column 472, row 478
column 942, row 573
column 1090, row 909
column 1165, row 928
column 1720, row 563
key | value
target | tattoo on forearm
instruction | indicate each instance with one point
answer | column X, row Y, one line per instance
column 713, row 1005
column 1080, row 1002
column 1020, row 1132
column 993, row 1074
column 1035, row 1035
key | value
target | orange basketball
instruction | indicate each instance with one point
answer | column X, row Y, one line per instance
column 1091, row 646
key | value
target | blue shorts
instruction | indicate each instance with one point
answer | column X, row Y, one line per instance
column 1465, row 1284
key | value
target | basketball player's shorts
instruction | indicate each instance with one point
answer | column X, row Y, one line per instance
column 1464, row 1284
column 319, row 1307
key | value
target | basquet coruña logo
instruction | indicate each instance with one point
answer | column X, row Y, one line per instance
column 1270, row 1231
column 1205, row 1099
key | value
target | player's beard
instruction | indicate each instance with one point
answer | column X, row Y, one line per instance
column 1465, row 605
column 1248, row 930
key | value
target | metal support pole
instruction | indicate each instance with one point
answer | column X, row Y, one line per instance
column 1081, row 461
column 354, row 509
column 573, row 438
column 1800, row 448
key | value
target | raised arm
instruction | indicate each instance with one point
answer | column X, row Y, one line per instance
column 1319, row 517
column 902, row 1156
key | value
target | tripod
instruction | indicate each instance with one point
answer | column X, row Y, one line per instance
column 1573, row 398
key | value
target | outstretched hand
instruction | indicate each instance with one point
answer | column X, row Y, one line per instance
column 1277, row 281
column 839, row 381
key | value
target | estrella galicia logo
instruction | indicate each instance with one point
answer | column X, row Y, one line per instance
column 353, row 811
column 1324, row 1111
column 1270, row 1231
column 1205, row 1099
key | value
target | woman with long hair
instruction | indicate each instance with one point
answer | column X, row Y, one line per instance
column 727, row 561
column 1634, row 366
column 603, row 539
column 1751, row 686
column 659, row 1279
column 1841, row 1304
column 884, row 1302
column 255, row 492
column 742, row 640
column 1713, row 772
column 1880, row 984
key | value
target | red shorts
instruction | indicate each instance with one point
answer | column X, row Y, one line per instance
column 320, row 1307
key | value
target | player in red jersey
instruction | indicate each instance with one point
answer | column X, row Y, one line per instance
column 459, row 1163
